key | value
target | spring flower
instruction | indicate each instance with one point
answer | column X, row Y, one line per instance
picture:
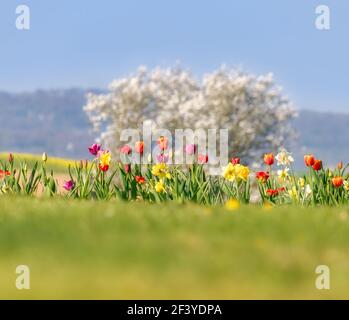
column 284, row 158
column 159, row 187
column 126, row 149
column 229, row 172
column 4, row 173
column 160, row 170
column 269, row 159
column 190, row 149
column 232, row 204
column 275, row 192
column 127, row 168
column 272, row 192
column 140, row 179
column 235, row 161
column 301, row 182
column 162, row 158
column 162, row 143
column 104, row 160
column 44, row 157
column 139, row 147
column 262, row 176
column 94, row 149
column 340, row 165
column 69, row 185
column 10, row 158
column 317, row 165
column 309, row 160
column 337, row 182
column 236, row 172
column 202, row 158
column 307, row 190
column 293, row 193
column 346, row 185
column 283, row 174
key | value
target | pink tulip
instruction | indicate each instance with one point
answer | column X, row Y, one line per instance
column 94, row 149
column 69, row 185
column 126, row 149
column 190, row 149
column 162, row 158
column 202, row 158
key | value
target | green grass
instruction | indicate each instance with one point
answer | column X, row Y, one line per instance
column 58, row 165
column 117, row 250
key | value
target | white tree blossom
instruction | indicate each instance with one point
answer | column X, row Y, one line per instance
column 251, row 107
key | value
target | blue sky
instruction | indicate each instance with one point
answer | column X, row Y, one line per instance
column 86, row 44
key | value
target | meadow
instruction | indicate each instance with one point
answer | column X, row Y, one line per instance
column 116, row 250
column 58, row 165
column 113, row 230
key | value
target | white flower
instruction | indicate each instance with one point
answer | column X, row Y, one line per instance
column 284, row 158
column 307, row 190
column 283, row 174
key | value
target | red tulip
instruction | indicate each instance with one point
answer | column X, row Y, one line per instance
column 317, row 165
column 4, row 173
column 103, row 167
column 140, row 179
column 262, row 176
column 272, row 192
column 269, row 159
column 235, row 161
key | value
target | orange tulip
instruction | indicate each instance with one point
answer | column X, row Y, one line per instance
column 140, row 179
column 269, row 159
column 309, row 160
column 337, row 181
column 139, row 147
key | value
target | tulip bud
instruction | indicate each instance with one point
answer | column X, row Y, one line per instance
column 11, row 158
column 127, row 168
column 340, row 165
column 44, row 157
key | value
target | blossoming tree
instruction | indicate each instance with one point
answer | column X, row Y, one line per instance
column 251, row 107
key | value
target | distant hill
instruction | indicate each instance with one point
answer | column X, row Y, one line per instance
column 53, row 121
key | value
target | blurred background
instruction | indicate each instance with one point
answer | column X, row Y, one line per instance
column 75, row 47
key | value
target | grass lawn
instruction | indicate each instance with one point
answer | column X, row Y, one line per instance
column 115, row 250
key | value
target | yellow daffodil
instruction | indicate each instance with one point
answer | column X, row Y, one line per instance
column 159, row 187
column 293, row 193
column 161, row 170
column 236, row 172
